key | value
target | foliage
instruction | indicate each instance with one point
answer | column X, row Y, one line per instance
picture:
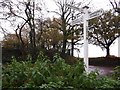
column 116, row 73
column 10, row 41
column 104, row 30
column 57, row 74
column 50, row 35
column 20, row 14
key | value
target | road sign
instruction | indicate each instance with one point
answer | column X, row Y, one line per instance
column 95, row 14
column 77, row 21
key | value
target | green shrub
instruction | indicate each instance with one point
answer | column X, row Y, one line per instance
column 53, row 74
column 116, row 73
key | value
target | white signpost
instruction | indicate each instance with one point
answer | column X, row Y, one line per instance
column 96, row 14
column 85, row 19
column 77, row 21
column 119, row 37
column 119, row 47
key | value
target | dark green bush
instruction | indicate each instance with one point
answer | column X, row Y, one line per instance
column 54, row 74
column 116, row 73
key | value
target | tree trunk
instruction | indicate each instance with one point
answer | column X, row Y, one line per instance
column 72, row 40
column 64, row 37
column 54, row 46
column 107, row 51
column 33, row 27
column 72, row 43
column 64, row 45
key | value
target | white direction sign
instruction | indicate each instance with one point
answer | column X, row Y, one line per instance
column 73, row 7
column 77, row 21
column 85, row 19
column 96, row 14
column 90, row 16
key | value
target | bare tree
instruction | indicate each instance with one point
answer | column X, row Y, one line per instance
column 115, row 5
column 65, row 15
column 19, row 14
column 104, row 30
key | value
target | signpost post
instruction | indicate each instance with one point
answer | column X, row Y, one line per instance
column 85, row 19
column 119, row 37
column 85, row 29
column 119, row 47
